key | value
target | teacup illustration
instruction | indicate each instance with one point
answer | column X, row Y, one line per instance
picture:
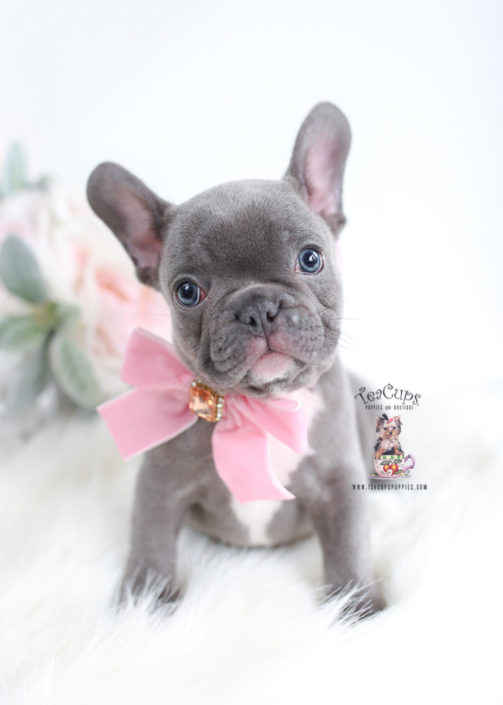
column 389, row 460
column 388, row 466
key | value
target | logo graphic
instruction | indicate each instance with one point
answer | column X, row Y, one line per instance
column 388, row 397
column 389, row 458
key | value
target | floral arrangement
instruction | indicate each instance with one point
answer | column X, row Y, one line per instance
column 68, row 298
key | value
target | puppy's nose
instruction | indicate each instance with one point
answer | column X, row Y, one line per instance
column 259, row 315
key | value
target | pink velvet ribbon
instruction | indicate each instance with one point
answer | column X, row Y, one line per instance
column 158, row 410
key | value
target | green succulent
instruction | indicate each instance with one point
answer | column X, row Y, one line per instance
column 43, row 337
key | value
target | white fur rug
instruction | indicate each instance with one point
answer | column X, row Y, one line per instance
column 250, row 628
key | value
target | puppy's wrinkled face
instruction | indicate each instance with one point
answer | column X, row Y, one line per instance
column 247, row 267
column 248, row 270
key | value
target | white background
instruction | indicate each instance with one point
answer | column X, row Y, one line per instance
column 191, row 94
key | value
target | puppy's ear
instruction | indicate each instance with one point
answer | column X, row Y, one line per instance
column 379, row 422
column 318, row 161
column 134, row 213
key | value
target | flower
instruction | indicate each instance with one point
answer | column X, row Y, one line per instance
column 85, row 266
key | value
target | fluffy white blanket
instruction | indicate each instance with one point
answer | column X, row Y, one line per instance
column 250, row 628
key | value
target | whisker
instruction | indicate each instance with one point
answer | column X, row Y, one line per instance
column 337, row 318
column 352, row 348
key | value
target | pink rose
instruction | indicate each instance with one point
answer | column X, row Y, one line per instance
column 83, row 265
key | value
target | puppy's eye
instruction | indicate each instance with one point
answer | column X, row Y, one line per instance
column 188, row 294
column 309, row 261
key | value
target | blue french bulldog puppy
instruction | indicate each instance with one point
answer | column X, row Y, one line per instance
column 248, row 271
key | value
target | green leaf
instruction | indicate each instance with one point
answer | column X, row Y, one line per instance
column 53, row 315
column 32, row 377
column 74, row 372
column 21, row 333
column 20, row 272
column 68, row 315
column 14, row 175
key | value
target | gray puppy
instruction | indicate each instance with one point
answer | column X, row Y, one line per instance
column 249, row 273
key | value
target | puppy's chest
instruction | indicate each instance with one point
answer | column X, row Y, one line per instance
column 256, row 516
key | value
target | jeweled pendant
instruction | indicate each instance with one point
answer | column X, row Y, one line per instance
column 205, row 402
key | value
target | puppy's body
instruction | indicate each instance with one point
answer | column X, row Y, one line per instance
column 248, row 269
column 271, row 522
column 178, row 483
column 213, row 510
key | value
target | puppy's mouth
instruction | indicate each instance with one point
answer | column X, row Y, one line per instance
column 270, row 371
column 270, row 367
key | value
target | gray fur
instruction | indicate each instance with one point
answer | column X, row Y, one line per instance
column 239, row 242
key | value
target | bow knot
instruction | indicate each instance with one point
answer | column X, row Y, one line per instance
column 158, row 410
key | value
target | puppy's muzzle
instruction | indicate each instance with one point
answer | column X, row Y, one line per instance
column 258, row 309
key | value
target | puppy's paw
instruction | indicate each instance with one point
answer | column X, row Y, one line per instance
column 369, row 604
column 147, row 585
column 357, row 603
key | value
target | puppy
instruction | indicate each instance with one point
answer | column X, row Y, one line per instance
column 388, row 431
column 249, row 273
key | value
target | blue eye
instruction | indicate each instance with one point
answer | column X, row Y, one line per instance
column 188, row 293
column 310, row 261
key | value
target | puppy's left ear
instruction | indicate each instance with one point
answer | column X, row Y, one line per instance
column 318, row 161
column 135, row 215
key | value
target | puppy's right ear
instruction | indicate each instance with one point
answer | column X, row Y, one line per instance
column 135, row 215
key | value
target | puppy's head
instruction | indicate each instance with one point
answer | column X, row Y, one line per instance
column 388, row 428
column 247, row 267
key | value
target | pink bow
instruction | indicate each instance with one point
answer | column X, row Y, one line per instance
column 158, row 409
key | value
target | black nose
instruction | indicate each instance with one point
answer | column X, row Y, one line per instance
column 259, row 315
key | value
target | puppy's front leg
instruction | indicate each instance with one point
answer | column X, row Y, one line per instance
column 163, row 495
column 340, row 516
